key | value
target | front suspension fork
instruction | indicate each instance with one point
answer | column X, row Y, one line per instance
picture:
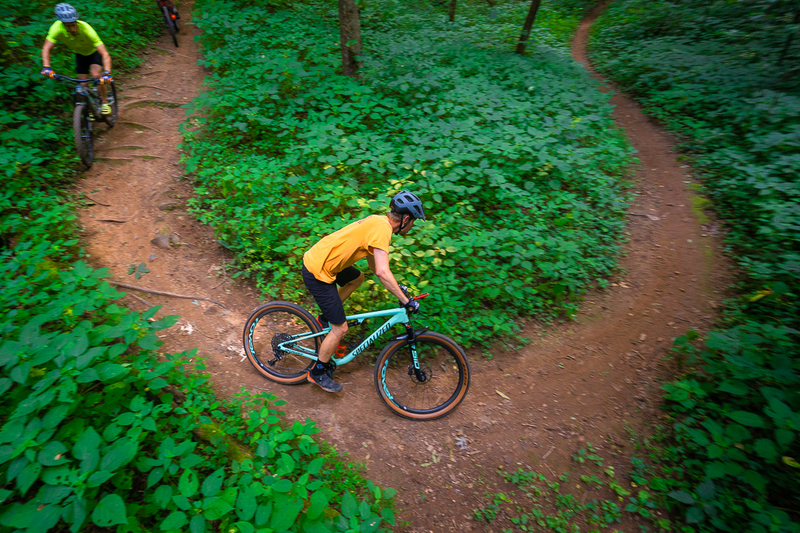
column 414, row 369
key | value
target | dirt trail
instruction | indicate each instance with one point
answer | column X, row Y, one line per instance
column 581, row 381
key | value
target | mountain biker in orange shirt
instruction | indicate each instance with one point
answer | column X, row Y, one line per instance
column 90, row 52
column 330, row 263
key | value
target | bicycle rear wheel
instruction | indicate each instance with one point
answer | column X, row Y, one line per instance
column 433, row 391
column 112, row 101
column 170, row 24
column 275, row 323
column 82, row 126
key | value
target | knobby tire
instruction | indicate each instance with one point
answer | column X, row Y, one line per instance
column 446, row 371
column 271, row 324
column 84, row 142
column 112, row 98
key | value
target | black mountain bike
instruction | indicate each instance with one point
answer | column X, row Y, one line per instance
column 171, row 16
column 87, row 111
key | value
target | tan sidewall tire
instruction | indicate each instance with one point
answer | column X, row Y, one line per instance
column 254, row 316
column 436, row 338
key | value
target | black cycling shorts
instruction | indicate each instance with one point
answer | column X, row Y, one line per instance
column 326, row 295
column 82, row 62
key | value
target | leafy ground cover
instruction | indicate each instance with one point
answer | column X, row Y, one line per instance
column 591, row 496
column 516, row 158
column 724, row 75
column 97, row 427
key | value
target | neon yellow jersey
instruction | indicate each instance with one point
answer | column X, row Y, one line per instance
column 85, row 43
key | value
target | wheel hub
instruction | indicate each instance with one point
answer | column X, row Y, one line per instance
column 277, row 340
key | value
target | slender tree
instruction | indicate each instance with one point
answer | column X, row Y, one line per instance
column 452, row 10
column 526, row 30
column 350, row 37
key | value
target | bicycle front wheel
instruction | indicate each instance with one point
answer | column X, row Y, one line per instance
column 272, row 326
column 82, row 126
column 112, row 101
column 431, row 392
column 170, row 24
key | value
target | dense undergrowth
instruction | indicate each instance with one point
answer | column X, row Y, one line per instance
column 516, row 159
column 98, row 429
column 725, row 76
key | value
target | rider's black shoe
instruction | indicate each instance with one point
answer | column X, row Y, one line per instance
column 325, row 381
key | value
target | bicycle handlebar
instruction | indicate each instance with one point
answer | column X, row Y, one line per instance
column 60, row 77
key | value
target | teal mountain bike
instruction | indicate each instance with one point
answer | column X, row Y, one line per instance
column 421, row 375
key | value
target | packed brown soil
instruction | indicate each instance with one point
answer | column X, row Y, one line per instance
column 594, row 379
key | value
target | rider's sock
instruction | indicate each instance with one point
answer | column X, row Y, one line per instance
column 319, row 368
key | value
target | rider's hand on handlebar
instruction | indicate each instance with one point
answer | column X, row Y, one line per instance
column 107, row 78
column 47, row 71
column 412, row 306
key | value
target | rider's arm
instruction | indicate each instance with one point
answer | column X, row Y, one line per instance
column 48, row 45
column 106, row 57
column 381, row 269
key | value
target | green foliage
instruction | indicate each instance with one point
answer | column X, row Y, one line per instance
column 515, row 158
column 35, row 115
column 498, row 26
column 550, row 507
column 137, row 270
column 97, row 428
column 723, row 74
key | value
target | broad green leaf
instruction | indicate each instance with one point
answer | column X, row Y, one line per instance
column 197, row 524
column 188, row 483
column 163, row 496
column 53, row 454
column 282, row 485
column 314, row 466
column 244, row 527
column 86, row 444
column 216, row 508
column 110, row 511
column 122, row 452
column 213, row 483
column 349, row 505
column 28, row 476
column 246, row 503
column 747, row 419
column 154, row 476
column 694, row 515
column 176, row 520
column 765, row 448
column 98, row 478
column 318, row 502
column 287, row 515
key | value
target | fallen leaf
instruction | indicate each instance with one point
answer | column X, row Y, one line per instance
column 503, row 395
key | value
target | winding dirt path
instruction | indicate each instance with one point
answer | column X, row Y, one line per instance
column 580, row 381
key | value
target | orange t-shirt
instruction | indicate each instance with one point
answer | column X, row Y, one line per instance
column 342, row 248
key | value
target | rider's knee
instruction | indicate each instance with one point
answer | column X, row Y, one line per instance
column 339, row 330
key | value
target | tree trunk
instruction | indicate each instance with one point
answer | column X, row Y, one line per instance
column 526, row 30
column 350, row 37
column 453, row 10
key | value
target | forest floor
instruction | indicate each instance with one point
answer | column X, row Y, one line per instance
column 592, row 380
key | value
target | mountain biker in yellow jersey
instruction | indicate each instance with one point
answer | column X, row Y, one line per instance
column 330, row 263
column 90, row 52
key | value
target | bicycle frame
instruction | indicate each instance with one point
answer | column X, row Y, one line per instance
column 397, row 316
column 83, row 95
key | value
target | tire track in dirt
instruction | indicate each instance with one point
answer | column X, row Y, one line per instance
column 580, row 381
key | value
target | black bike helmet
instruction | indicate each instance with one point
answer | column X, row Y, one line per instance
column 66, row 13
column 407, row 203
